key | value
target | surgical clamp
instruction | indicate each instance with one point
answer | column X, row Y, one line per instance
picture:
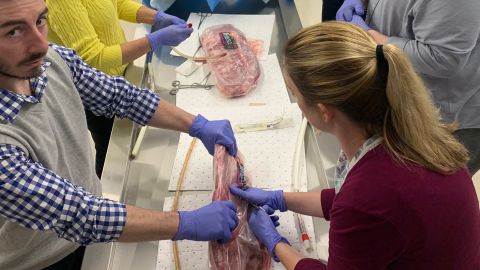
column 177, row 86
column 203, row 16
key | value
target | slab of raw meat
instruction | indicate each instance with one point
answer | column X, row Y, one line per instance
column 243, row 252
column 238, row 71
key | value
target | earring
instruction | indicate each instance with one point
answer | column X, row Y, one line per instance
column 324, row 118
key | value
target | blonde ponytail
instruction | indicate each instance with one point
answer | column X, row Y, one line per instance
column 335, row 63
column 412, row 128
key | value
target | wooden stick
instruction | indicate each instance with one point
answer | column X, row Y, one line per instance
column 176, row 256
column 182, row 174
column 198, row 58
column 138, row 142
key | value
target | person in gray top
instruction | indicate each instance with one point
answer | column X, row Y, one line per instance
column 442, row 38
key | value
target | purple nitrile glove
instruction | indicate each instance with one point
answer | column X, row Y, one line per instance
column 275, row 219
column 171, row 35
column 348, row 9
column 357, row 20
column 264, row 229
column 214, row 132
column 274, row 199
column 215, row 221
column 163, row 19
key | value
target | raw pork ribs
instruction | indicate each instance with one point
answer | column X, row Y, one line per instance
column 238, row 71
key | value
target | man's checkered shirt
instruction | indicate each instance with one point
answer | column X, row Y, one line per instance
column 37, row 198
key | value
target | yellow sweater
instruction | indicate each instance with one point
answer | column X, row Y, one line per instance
column 92, row 28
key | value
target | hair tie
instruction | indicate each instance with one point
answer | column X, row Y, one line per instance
column 382, row 63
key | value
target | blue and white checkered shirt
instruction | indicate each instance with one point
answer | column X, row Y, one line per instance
column 36, row 197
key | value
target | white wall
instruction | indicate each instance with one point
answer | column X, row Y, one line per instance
column 310, row 11
column 476, row 182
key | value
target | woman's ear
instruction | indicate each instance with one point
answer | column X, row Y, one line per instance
column 326, row 112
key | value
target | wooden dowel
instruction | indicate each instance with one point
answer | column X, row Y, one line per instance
column 176, row 255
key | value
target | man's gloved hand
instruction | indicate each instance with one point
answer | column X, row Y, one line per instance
column 273, row 199
column 171, row 35
column 360, row 22
column 215, row 221
column 163, row 19
column 348, row 9
column 214, row 132
column 264, row 229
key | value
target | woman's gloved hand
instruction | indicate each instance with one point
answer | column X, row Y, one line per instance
column 214, row 132
column 163, row 19
column 348, row 9
column 274, row 199
column 275, row 219
column 264, row 229
column 171, row 36
column 215, row 221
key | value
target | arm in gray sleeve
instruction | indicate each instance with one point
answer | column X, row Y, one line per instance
column 445, row 33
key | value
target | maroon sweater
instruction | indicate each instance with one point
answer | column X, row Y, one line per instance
column 389, row 215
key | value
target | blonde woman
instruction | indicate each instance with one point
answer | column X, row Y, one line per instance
column 403, row 197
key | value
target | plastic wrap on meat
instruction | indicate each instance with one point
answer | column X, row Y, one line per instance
column 238, row 71
column 243, row 252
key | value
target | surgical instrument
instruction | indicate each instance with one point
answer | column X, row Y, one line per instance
column 242, row 177
column 177, row 86
column 203, row 84
column 257, row 207
column 276, row 123
column 203, row 16
column 305, row 239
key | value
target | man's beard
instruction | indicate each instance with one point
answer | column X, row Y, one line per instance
column 34, row 73
column 31, row 74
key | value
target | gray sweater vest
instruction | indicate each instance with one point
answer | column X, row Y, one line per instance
column 53, row 133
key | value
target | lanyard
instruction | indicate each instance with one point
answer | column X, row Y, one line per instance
column 344, row 165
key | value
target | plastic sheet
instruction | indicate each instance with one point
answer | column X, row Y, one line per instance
column 238, row 71
column 243, row 252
